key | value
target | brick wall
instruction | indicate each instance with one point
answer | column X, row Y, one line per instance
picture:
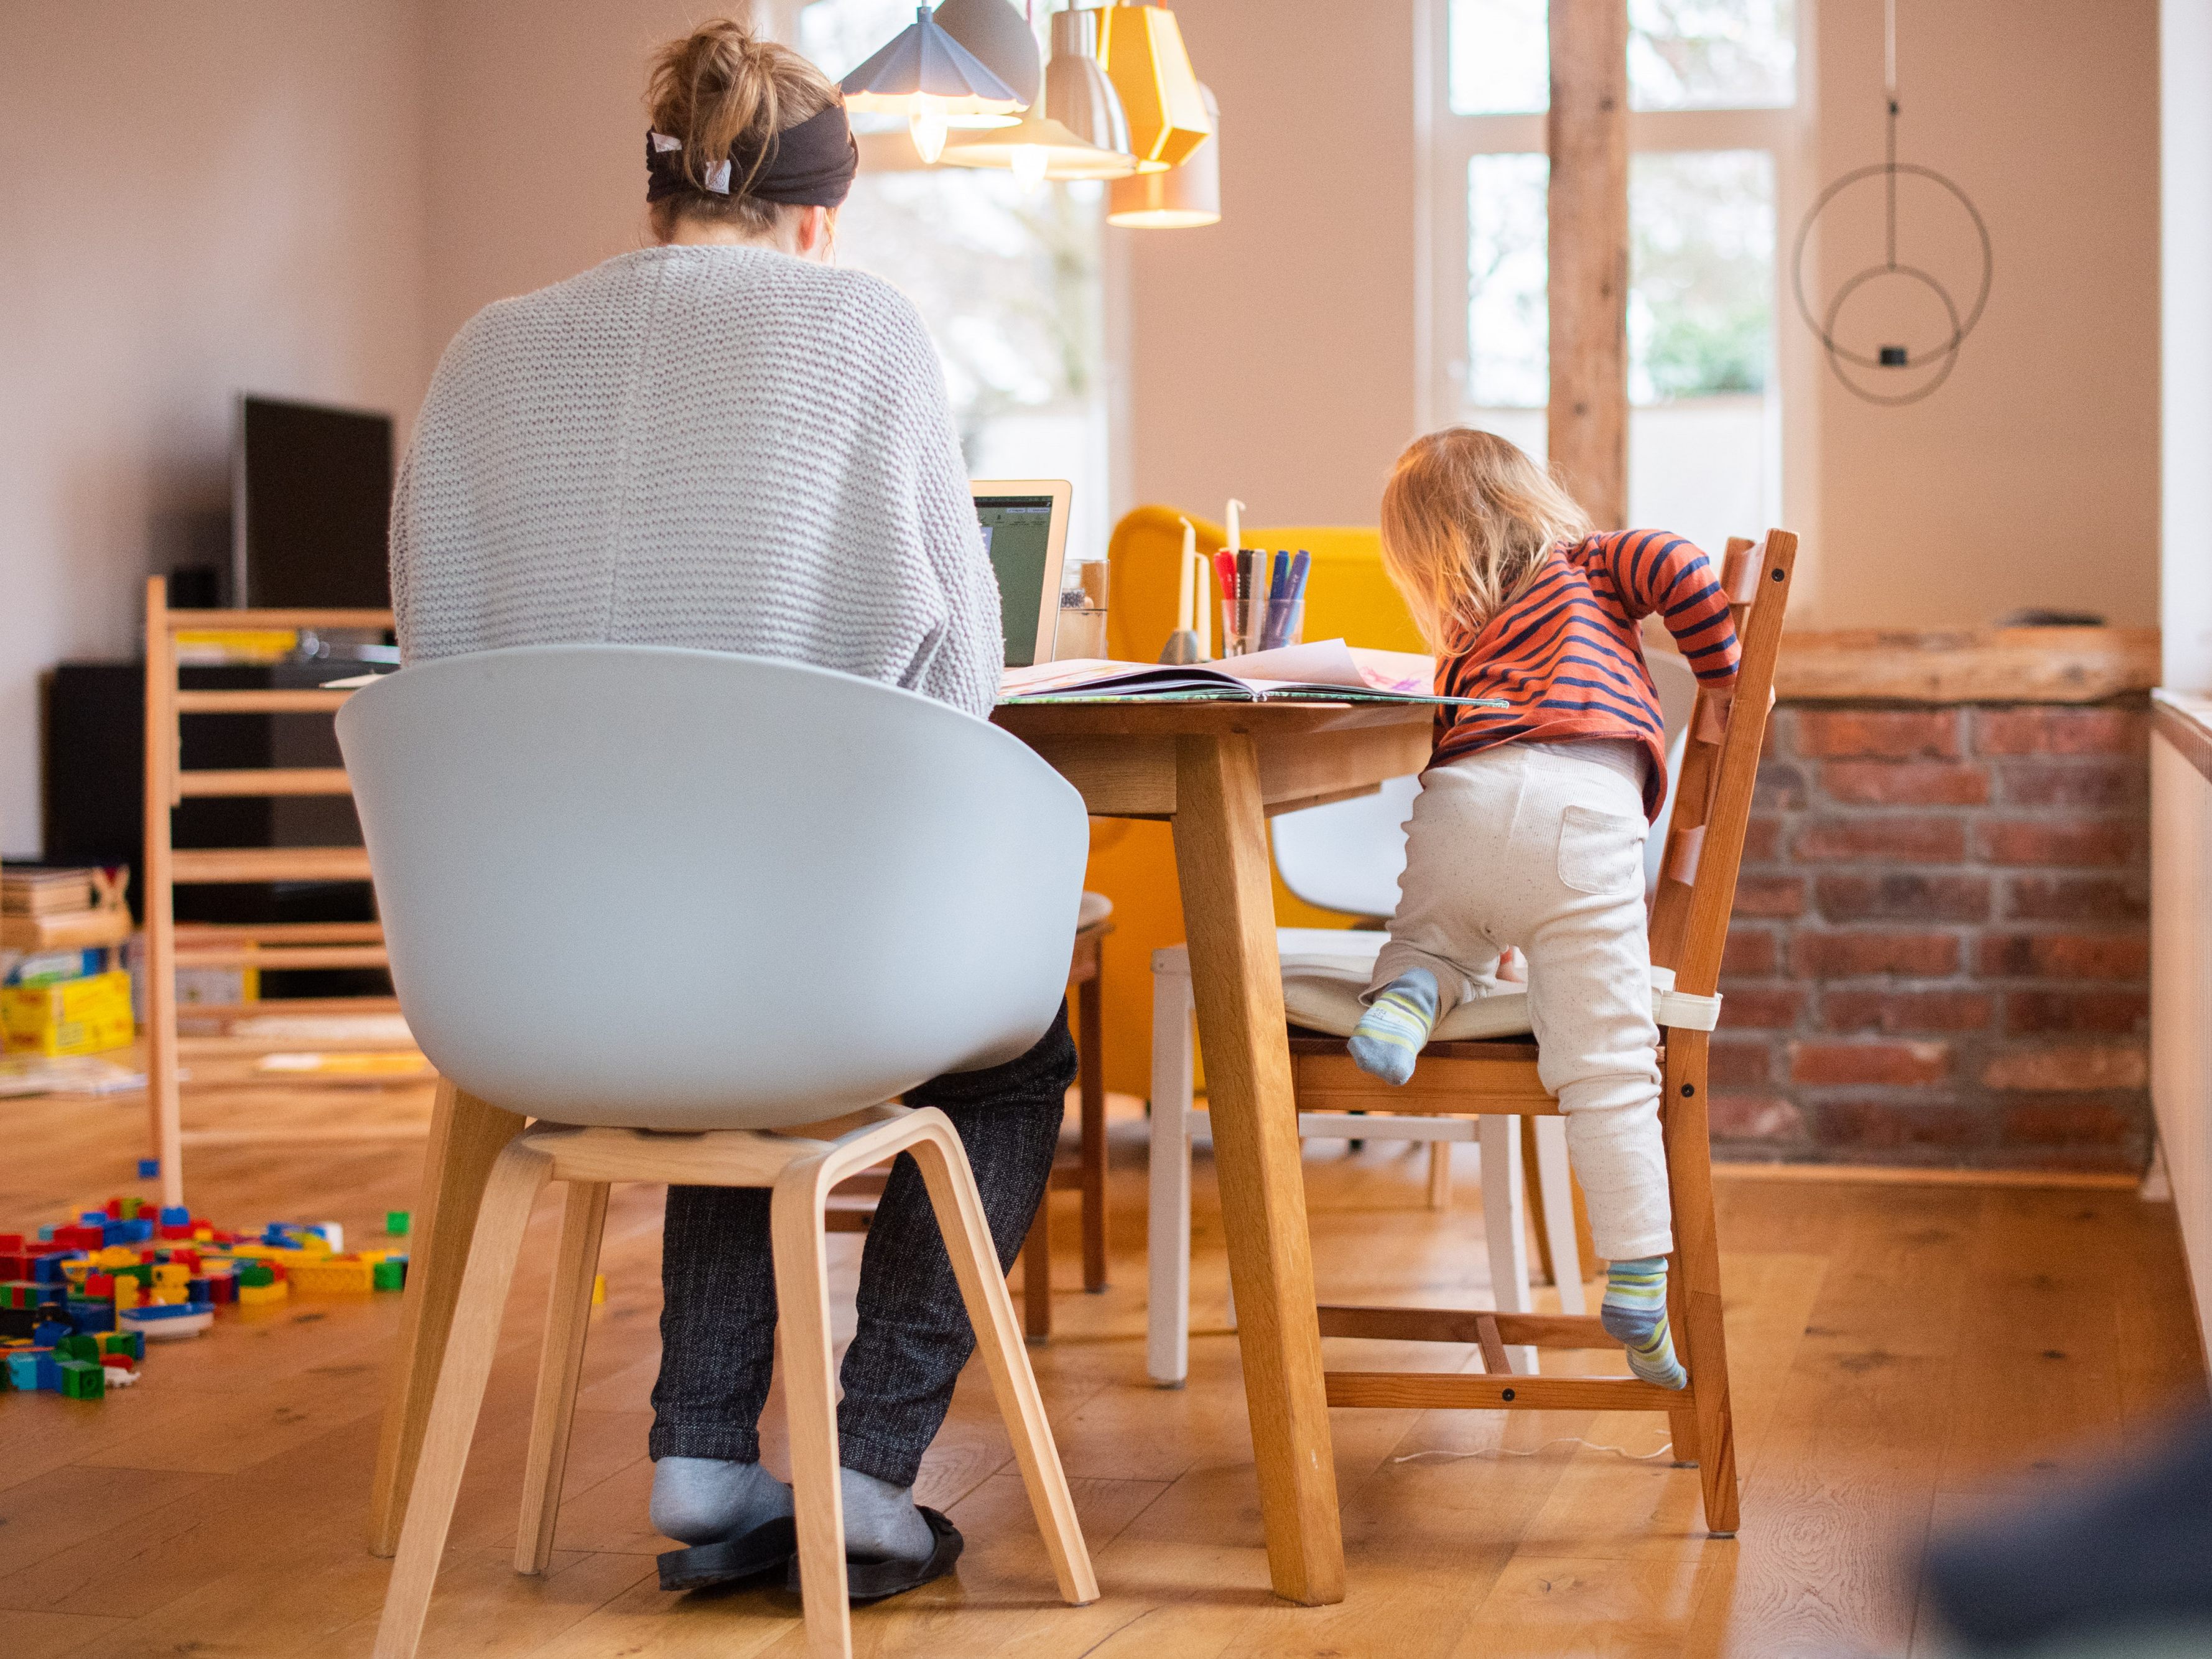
column 1940, row 952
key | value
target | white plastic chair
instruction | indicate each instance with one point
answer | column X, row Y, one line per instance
column 680, row 906
column 1347, row 856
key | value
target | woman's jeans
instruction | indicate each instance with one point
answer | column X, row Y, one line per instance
column 717, row 1282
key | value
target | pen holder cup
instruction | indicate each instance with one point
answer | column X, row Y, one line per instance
column 1255, row 623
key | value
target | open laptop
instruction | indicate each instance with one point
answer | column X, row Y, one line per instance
column 1025, row 533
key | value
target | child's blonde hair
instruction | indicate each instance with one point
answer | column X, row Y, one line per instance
column 1468, row 521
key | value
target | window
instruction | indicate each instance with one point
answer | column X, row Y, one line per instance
column 1714, row 136
column 1008, row 280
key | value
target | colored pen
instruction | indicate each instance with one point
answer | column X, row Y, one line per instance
column 1243, row 600
column 1279, row 602
column 1301, row 569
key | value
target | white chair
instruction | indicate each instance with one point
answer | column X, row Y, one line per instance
column 702, row 915
column 1347, row 856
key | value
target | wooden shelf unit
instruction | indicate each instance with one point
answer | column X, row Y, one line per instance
column 274, row 946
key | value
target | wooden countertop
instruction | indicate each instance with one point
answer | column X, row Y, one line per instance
column 1985, row 665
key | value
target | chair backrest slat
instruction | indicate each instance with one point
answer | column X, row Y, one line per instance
column 1712, row 802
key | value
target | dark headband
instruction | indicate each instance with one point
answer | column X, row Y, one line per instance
column 809, row 165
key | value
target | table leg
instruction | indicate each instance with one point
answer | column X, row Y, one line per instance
column 1221, row 862
column 466, row 1137
column 1091, row 1020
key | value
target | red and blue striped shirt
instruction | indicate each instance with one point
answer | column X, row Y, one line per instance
column 1566, row 658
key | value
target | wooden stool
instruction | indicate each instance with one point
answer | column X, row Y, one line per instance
column 799, row 1166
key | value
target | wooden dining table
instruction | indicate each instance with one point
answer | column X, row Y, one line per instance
column 1215, row 771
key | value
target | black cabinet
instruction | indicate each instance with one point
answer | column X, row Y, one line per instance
column 95, row 777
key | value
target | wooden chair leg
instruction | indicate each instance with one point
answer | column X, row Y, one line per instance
column 1700, row 1335
column 1552, row 1184
column 1500, row 1140
column 1585, row 1242
column 516, row 1178
column 568, row 1320
column 959, row 1209
column 1091, row 1083
column 1167, row 1310
column 1440, row 1175
column 810, row 1395
column 1036, row 1272
column 1532, row 1187
column 466, row 1138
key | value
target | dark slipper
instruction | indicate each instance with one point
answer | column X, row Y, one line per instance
column 768, row 1547
column 876, row 1579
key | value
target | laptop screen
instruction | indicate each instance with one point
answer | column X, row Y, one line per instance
column 1017, row 536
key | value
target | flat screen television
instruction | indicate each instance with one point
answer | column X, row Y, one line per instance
column 311, row 502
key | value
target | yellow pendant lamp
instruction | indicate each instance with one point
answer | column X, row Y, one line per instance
column 1085, row 137
column 1141, row 50
column 1180, row 198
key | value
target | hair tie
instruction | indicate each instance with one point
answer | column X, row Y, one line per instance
column 809, row 165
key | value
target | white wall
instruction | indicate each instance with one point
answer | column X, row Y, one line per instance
column 2185, row 301
column 197, row 200
column 2181, row 983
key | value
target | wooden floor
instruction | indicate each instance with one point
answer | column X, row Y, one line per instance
column 1899, row 1349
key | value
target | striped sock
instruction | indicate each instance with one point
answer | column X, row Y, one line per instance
column 1389, row 1036
column 1635, row 1312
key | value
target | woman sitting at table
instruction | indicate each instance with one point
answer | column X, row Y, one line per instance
column 721, row 441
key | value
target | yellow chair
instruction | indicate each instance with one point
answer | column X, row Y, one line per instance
column 1133, row 863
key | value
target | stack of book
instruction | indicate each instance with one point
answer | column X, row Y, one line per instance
column 62, row 990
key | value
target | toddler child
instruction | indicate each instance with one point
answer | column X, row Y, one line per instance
column 1529, row 827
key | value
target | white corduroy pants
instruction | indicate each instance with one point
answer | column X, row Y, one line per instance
column 1532, row 845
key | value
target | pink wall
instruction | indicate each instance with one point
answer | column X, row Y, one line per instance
column 1271, row 356
column 308, row 198
column 538, row 141
column 2032, row 477
column 197, row 200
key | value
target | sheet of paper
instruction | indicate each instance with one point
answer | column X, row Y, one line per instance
column 1333, row 662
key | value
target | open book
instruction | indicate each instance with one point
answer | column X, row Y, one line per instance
column 1328, row 670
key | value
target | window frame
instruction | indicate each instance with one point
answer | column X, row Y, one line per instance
column 1448, row 141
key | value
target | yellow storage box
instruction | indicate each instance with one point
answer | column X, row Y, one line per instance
column 77, row 1017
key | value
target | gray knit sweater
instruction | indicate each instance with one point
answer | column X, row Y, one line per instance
column 721, row 447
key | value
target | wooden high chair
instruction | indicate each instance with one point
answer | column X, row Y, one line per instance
column 268, row 946
column 1689, row 927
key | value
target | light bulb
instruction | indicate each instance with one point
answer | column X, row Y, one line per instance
column 928, row 125
column 1029, row 164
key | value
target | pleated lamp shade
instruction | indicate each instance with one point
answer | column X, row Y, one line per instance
column 1085, row 135
column 924, row 67
column 1140, row 47
column 999, row 35
column 1182, row 197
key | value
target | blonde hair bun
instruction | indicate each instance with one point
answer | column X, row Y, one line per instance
column 722, row 87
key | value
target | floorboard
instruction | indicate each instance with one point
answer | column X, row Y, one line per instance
column 1901, row 1351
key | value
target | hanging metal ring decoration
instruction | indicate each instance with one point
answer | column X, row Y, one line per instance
column 1944, row 354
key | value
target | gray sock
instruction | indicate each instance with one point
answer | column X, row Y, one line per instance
column 881, row 1521
column 703, row 1500
column 1389, row 1036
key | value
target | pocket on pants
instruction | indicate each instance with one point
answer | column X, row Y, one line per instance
column 1600, row 852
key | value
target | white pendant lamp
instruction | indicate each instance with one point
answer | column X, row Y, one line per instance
column 937, row 83
column 1001, row 37
column 1141, row 50
column 1184, row 197
column 1085, row 135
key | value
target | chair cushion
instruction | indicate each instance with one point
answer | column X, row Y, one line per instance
column 1094, row 910
column 1326, row 969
